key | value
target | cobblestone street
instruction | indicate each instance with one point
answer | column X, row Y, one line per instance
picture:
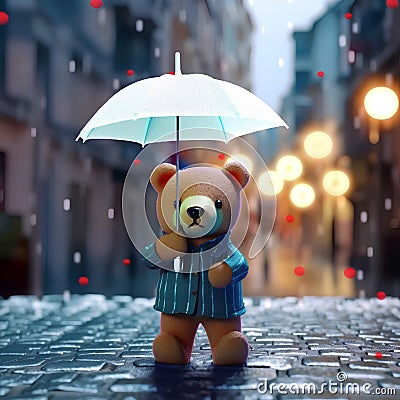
column 89, row 347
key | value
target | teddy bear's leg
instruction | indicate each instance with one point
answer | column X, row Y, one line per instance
column 228, row 345
column 175, row 342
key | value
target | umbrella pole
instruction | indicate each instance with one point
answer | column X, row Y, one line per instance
column 177, row 175
column 177, row 260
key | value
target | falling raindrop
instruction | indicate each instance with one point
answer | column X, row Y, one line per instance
column 101, row 16
column 182, row 16
column 33, row 219
column 342, row 41
column 116, row 84
column 110, row 213
column 388, row 204
column 77, row 257
column 360, row 275
column 363, row 217
column 355, row 27
column 39, row 248
column 139, row 25
column 72, row 66
column 351, row 56
column 157, row 52
column 66, row 204
column 281, row 62
column 33, row 132
column 357, row 122
column 370, row 252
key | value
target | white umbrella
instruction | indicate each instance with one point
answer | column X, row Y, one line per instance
column 180, row 107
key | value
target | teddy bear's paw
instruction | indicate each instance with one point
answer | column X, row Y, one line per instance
column 167, row 349
column 170, row 246
column 220, row 276
column 232, row 349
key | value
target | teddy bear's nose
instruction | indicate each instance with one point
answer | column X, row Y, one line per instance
column 195, row 212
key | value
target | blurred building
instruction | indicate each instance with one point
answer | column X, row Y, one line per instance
column 317, row 102
column 334, row 63
column 60, row 201
column 374, row 53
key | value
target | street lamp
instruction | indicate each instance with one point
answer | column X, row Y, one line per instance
column 289, row 167
column 380, row 103
column 270, row 183
column 302, row 195
column 318, row 144
column 336, row 183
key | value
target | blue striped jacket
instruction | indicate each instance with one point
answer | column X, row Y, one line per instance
column 192, row 293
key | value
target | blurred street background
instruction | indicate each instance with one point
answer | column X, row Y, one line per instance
column 335, row 172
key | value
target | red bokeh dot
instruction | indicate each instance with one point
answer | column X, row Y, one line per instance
column 83, row 281
column 320, row 74
column 289, row 218
column 381, row 295
column 96, row 3
column 350, row 273
column 4, row 18
column 392, row 3
column 348, row 15
column 171, row 72
column 378, row 355
column 130, row 72
column 127, row 261
column 221, row 156
column 136, row 162
column 299, row 271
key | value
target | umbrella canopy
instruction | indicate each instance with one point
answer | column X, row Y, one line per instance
column 208, row 109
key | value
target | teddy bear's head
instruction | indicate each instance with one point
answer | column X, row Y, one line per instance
column 209, row 198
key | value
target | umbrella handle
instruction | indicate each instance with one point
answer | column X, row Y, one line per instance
column 178, row 63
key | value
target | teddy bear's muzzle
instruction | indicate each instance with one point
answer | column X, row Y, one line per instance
column 197, row 215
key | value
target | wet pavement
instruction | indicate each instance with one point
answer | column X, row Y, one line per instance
column 90, row 347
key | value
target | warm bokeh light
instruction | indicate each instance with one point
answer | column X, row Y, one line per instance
column 289, row 167
column 302, row 195
column 336, row 182
column 381, row 103
column 244, row 160
column 270, row 183
column 318, row 144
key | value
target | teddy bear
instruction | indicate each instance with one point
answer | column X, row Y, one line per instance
column 208, row 289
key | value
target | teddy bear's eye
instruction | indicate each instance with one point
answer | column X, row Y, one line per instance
column 180, row 203
column 218, row 204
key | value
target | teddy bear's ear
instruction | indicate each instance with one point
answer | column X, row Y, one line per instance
column 238, row 171
column 161, row 175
